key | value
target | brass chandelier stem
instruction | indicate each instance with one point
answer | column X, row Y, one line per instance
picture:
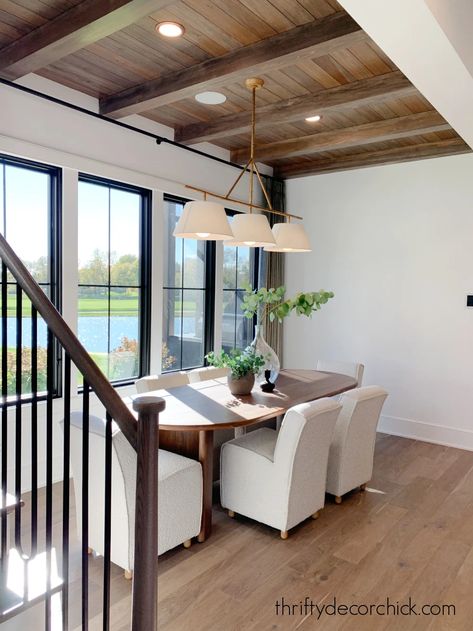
column 252, row 84
column 253, row 123
column 252, row 144
column 227, row 196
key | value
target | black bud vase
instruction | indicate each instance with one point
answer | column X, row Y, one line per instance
column 267, row 386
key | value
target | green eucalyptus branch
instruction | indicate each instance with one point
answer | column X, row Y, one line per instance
column 271, row 302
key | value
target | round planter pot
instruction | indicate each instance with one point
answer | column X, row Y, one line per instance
column 241, row 386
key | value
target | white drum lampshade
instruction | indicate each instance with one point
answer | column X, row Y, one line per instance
column 204, row 221
column 289, row 237
column 252, row 230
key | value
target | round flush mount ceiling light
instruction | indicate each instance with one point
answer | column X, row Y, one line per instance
column 313, row 119
column 211, row 98
column 170, row 29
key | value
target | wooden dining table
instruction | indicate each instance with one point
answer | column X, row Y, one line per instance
column 194, row 412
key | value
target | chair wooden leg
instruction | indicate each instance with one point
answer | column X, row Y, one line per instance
column 187, row 544
column 316, row 515
column 284, row 534
column 338, row 499
column 363, row 487
column 128, row 574
column 231, row 513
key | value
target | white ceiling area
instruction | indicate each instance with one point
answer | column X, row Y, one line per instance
column 430, row 41
column 456, row 19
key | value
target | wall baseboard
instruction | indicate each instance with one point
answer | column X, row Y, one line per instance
column 427, row 432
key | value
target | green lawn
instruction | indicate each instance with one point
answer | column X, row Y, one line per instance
column 123, row 306
column 119, row 306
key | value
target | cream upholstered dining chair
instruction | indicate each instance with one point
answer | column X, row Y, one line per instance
column 350, row 462
column 161, row 382
column 206, row 373
column 276, row 478
column 344, row 368
column 179, row 493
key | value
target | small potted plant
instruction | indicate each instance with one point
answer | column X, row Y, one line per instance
column 243, row 366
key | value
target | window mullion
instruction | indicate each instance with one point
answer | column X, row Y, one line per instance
column 218, row 308
column 182, row 306
column 70, row 256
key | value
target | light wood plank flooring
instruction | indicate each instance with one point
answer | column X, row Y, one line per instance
column 410, row 534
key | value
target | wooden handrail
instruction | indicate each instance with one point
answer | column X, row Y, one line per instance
column 89, row 369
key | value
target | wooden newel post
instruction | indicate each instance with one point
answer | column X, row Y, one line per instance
column 145, row 571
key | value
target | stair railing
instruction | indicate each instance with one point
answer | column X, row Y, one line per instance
column 142, row 434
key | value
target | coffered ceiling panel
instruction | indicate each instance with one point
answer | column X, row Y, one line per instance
column 313, row 57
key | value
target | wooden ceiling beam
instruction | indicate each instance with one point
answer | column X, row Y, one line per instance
column 421, row 151
column 379, row 131
column 79, row 26
column 308, row 40
column 350, row 95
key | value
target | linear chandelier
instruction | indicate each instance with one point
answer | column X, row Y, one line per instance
column 205, row 220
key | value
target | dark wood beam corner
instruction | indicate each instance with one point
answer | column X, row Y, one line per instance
column 350, row 95
column 81, row 25
column 437, row 149
column 313, row 39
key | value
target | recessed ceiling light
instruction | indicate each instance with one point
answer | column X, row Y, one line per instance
column 313, row 119
column 170, row 29
column 211, row 98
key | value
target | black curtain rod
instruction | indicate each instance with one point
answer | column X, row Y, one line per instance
column 158, row 139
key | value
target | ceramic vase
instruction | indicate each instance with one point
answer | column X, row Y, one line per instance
column 260, row 345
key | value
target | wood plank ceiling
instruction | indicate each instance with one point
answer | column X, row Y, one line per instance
column 313, row 58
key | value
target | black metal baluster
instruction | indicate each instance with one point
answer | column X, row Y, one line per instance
column 4, row 540
column 107, row 524
column 85, row 508
column 49, row 474
column 65, row 493
column 18, row 411
column 34, row 430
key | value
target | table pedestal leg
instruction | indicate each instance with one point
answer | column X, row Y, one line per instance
column 206, row 443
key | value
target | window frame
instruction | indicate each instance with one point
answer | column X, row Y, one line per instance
column 144, row 287
column 208, row 289
column 54, row 229
column 253, row 281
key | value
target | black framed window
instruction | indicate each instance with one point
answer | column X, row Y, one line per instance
column 189, row 295
column 30, row 215
column 114, row 276
column 240, row 268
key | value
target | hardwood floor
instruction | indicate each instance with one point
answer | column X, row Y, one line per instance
column 409, row 535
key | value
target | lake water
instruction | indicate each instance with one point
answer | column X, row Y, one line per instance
column 93, row 331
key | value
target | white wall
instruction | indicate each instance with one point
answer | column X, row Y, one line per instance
column 33, row 128
column 395, row 244
column 455, row 18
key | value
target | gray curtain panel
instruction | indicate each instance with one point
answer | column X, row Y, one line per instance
column 272, row 264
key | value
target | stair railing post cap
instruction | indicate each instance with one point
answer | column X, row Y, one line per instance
column 148, row 404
